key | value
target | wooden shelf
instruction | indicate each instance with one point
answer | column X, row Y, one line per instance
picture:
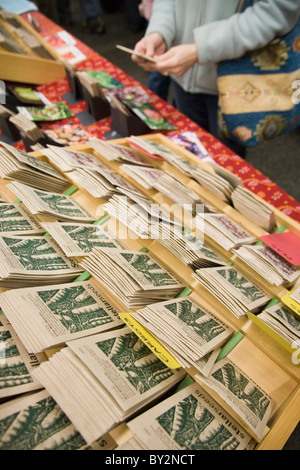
column 35, row 70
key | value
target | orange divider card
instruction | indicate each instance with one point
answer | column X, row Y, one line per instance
column 286, row 244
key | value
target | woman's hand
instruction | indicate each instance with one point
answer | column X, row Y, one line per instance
column 177, row 60
column 151, row 45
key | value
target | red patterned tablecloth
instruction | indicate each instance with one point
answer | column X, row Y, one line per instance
column 253, row 179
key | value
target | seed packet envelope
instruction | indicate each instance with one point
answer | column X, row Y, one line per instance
column 118, row 152
column 80, row 239
column 60, row 206
column 16, row 365
column 233, row 386
column 148, row 272
column 34, row 255
column 125, row 366
column 194, row 326
column 237, row 285
column 181, row 422
column 34, row 162
column 27, row 413
column 52, row 315
column 15, row 219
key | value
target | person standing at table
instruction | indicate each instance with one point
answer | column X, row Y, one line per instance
column 189, row 38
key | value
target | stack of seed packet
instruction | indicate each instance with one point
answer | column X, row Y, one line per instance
column 27, row 127
column 15, row 219
column 94, row 183
column 16, row 365
column 77, row 240
column 104, row 379
column 224, row 231
column 189, row 248
column 146, row 177
column 43, row 203
column 47, row 317
column 152, row 148
column 245, row 398
column 30, row 261
column 88, row 172
column 134, row 278
column 268, row 264
column 131, row 214
column 184, row 327
column 232, row 289
column 118, row 153
column 38, row 423
column 67, row 160
column 152, row 178
column 213, row 182
column 207, row 176
column 257, row 210
column 139, row 214
column 19, row 166
column 188, row 420
column 283, row 321
column 91, row 84
column 135, row 100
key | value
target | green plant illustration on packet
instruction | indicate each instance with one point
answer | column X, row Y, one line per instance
column 104, row 79
column 194, row 427
column 148, row 114
column 237, row 280
column 191, row 315
column 75, row 308
column 87, row 238
column 51, row 112
column 60, row 204
column 35, row 425
column 35, row 254
column 153, row 273
column 41, row 165
column 12, row 220
column 15, row 225
column 130, row 355
column 288, row 318
column 28, row 93
column 13, row 371
column 196, row 244
column 244, row 389
column 9, row 211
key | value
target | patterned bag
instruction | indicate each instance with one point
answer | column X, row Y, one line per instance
column 259, row 94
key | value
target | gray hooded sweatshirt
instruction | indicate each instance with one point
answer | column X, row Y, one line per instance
column 219, row 32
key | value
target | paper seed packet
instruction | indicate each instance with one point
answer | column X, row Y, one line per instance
column 52, row 112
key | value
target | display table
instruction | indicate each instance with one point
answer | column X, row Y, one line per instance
column 252, row 349
column 253, row 179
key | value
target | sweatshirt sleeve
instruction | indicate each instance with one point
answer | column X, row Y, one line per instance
column 252, row 29
column 163, row 20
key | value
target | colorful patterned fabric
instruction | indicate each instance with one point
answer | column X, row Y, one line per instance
column 258, row 95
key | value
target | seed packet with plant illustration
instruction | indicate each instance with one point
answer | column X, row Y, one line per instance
column 104, row 79
column 52, row 112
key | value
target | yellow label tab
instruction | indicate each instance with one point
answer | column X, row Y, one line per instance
column 150, row 341
column 288, row 300
column 270, row 332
